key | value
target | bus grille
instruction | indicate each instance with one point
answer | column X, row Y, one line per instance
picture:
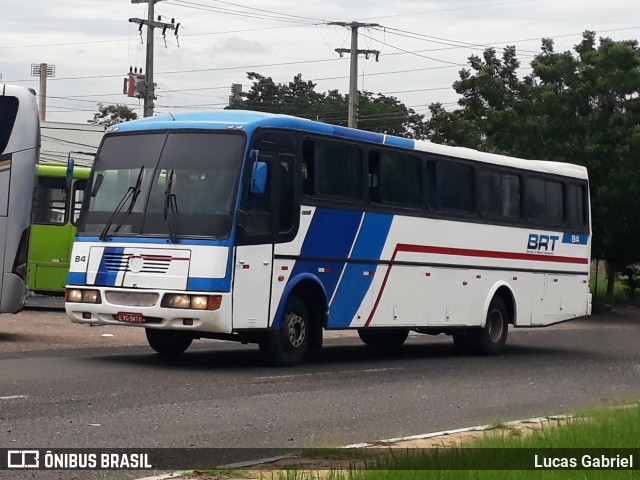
column 151, row 264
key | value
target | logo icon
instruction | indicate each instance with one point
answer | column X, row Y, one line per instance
column 23, row 459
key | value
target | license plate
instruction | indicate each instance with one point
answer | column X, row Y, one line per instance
column 129, row 317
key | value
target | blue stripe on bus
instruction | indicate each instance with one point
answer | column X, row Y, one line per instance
column 351, row 133
column 209, row 284
column 358, row 277
column 77, row 278
column 330, row 235
column 104, row 277
column 400, row 142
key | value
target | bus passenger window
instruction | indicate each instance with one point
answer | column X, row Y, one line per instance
column 331, row 170
column 545, row 201
column 511, row 197
column 50, row 201
column 499, row 195
column 452, row 186
column 577, row 212
column 395, row 179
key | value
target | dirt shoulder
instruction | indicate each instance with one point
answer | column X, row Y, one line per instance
column 36, row 330
column 46, row 330
column 319, row 466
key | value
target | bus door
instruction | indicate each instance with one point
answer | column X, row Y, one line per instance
column 52, row 232
column 265, row 218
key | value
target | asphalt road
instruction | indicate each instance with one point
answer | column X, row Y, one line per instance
column 66, row 385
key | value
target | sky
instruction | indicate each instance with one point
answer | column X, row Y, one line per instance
column 423, row 45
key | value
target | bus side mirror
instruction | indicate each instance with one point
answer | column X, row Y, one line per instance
column 259, row 178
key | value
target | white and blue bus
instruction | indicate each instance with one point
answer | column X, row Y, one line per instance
column 19, row 150
column 271, row 229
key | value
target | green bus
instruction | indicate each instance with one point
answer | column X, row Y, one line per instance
column 56, row 207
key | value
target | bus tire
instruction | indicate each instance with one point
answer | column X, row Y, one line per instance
column 490, row 339
column 287, row 345
column 383, row 337
column 168, row 342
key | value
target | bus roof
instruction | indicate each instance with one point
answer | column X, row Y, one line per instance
column 60, row 170
column 248, row 121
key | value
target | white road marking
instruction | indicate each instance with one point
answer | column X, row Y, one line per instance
column 14, row 397
column 370, row 370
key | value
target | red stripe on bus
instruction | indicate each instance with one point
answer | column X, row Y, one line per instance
column 466, row 252
column 160, row 257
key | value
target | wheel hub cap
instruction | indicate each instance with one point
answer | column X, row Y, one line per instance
column 296, row 329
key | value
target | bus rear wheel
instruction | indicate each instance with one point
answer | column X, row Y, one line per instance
column 490, row 339
column 168, row 342
column 383, row 337
column 288, row 344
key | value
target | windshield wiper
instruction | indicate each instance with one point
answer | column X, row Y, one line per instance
column 170, row 205
column 131, row 193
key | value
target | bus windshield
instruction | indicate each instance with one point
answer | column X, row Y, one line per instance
column 164, row 184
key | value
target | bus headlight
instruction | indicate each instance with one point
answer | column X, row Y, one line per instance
column 199, row 302
column 77, row 295
column 194, row 302
column 178, row 301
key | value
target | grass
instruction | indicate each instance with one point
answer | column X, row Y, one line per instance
column 610, row 428
column 620, row 294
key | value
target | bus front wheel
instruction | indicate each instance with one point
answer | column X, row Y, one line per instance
column 168, row 342
column 288, row 344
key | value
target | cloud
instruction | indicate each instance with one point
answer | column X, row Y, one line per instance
column 238, row 46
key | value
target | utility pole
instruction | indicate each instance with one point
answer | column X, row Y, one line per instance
column 353, row 70
column 149, row 90
column 43, row 71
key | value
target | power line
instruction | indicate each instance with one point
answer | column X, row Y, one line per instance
column 73, row 44
column 466, row 7
column 287, row 15
column 67, row 142
column 243, row 13
column 417, row 54
column 197, row 70
column 454, row 44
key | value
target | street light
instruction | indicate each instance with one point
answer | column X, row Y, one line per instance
column 43, row 71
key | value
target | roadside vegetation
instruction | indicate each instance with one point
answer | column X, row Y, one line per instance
column 604, row 431
column 607, row 429
column 626, row 287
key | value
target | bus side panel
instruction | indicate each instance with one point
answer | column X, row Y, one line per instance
column 49, row 257
column 442, row 273
column 3, row 237
column 14, row 289
column 353, row 300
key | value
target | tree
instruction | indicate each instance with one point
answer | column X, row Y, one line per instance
column 581, row 107
column 112, row 114
column 377, row 112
